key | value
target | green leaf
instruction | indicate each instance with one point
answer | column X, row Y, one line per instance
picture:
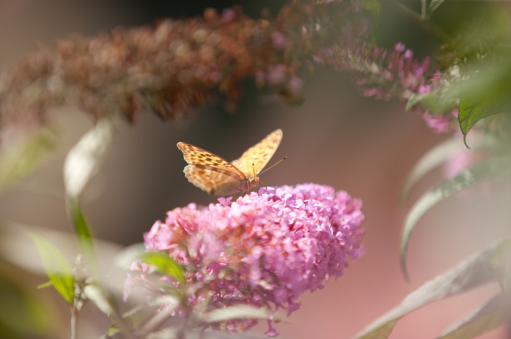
column 485, row 318
column 164, row 264
column 433, row 5
column 156, row 320
column 83, row 160
column 106, row 303
column 437, row 104
column 484, row 94
column 176, row 333
column 147, row 318
column 99, row 298
column 81, row 228
column 236, row 312
column 57, row 268
column 45, row 285
column 413, row 100
column 488, row 169
column 437, row 156
column 373, row 6
column 129, row 254
column 433, row 158
column 471, row 273
column 23, row 156
column 472, row 109
column 81, row 164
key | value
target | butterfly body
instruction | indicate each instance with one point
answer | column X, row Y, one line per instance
column 218, row 176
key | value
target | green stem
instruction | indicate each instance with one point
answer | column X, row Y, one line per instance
column 427, row 25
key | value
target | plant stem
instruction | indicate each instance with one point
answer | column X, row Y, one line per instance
column 427, row 25
column 74, row 322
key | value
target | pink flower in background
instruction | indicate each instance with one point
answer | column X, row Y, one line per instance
column 279, row 41
column 424, row 89
column 399, row 47
column 382, row 74
column 276, row 74
column 437, row 123
column 265, row 249
column 461, row 160
column 457, row 163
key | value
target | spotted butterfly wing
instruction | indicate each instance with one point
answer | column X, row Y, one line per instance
column 217, row 176
column 210, row 172
column 252, row 162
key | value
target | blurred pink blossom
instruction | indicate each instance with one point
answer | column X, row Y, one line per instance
column 384, row 74
column 437, row 123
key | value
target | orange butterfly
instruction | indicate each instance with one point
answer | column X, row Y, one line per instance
column 218, row 176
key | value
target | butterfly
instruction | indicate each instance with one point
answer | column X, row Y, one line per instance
column 217, row 176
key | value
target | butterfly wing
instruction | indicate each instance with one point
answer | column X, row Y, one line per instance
column 210, row 172
column 211, row 180
column 256, row 157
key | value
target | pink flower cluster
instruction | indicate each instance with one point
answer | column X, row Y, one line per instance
column 392, row 71
column 383, row 74
column 265, row 249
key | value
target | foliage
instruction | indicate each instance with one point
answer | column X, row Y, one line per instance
column 228, row 265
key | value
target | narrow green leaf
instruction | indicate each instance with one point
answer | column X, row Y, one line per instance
column 433, row 5
column 99, row 298
column 45, row 285
column 111, row 333
column 175, row 333
column 381, row 332
column 156, row 320
column 488, row 169
column 485, row 318
column 471, row 273
column 23, row 156
column 81, row 228
column 129, row 254
column 164, row 264
column 236, row 312
column 151, row 315
column 83, row 160
column 81, row 164
column 169, row 301
column 56, row 266
column 413, row 100
column 106, row 303
column 433, row 158
column 437, row 156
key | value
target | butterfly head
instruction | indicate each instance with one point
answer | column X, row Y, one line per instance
column 253, row 181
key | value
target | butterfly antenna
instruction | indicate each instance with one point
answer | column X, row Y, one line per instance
column 275, row 164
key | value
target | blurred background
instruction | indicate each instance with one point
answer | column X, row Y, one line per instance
column 336, row 137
